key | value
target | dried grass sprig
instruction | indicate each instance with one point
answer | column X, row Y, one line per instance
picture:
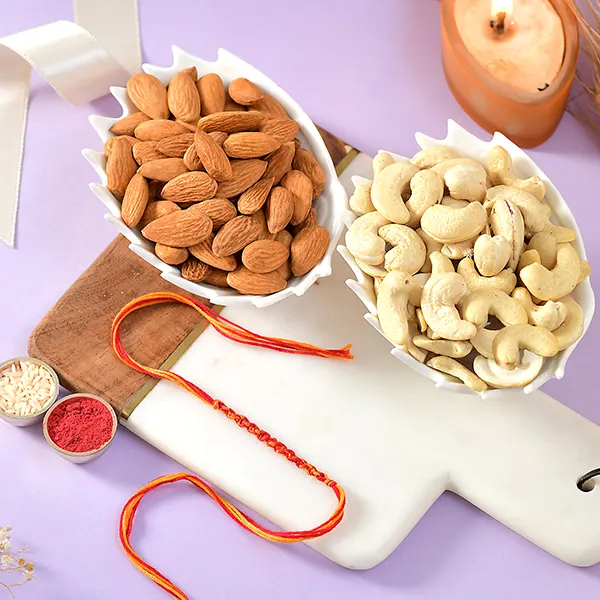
column 12, row 561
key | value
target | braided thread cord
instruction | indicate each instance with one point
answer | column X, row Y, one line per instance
column 236, row 333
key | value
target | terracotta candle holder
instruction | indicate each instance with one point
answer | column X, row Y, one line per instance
column 527, row 118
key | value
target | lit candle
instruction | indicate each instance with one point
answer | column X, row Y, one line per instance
column 511, row 63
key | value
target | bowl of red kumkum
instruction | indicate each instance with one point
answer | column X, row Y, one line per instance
column 80, row 427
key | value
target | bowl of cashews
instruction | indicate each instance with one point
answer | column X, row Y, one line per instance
column 470, row 263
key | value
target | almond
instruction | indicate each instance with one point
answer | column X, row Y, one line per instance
column 120, row 168
column 232, row 105
column 191, row 72
column 264, row 256
column 279, row 209
column 176, row 145
column 149, row 95
column 285, row 270
column 219, row 211
column 144, row 152
column 193, row 127
column 190, row 187
column 158, row 130
column 191, row 159
column 284, row 130
column 163, row 169
column 244, row 92
column 306, row 162
column 194, row 270
column 245, row 174
column 180, row 229
column 111, row 141
column 270, row 108
column 261, row 219
column 308, row 248
column 253, row 198
column 217, row 277
column 310, row 221
column 170, row 255
column 127, row 125
column 301, row 188
column 155, row 190
column 213, row 159
column 212, row 93
column 232, row 121
column 183, row 98
column 280, row 161
column 203, row 251
column 218, row 136
column 247, row 282
column 235, row 235
column 250, row 144
column 284, row 237
column 156, row 210
column 135, row 200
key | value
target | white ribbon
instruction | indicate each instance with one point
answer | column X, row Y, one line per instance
column 79, row 60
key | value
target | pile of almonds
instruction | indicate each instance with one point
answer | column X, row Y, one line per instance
column 218, row 180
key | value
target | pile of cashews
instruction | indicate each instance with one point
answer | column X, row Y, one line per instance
column 470, row 275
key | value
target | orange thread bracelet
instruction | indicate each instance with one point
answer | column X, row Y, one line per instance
column 236, row 333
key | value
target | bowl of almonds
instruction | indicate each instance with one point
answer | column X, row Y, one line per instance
column 220, row 180
column 470, row 263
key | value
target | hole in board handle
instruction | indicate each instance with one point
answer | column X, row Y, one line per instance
column 587, row 482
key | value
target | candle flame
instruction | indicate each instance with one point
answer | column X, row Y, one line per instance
column 502, row 11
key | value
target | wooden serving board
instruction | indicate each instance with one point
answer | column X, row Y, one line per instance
column 74, row 337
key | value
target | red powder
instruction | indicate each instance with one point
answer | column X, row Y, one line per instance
column 80, row 425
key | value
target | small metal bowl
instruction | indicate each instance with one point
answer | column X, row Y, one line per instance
column 37, row 417
column 81, row 457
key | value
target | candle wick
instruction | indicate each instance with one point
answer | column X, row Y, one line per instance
column 498, row 24
column 544, row 88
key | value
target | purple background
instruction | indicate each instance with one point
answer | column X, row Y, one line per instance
column 370, row 72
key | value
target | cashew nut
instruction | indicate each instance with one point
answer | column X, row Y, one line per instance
column 362, row 240
column 491, row 254
column 584, row 270
column 456, row 349
column 572, row 328
column 360, row 201
column 421, row 322
column 443, row 167
column 483, row 341
column 534, row 215
column 427, row 158
column 506, row 220
column 557, row 283
column 520, row 376
column 562, row 235
column 451, row 225
column 432, row 335
column 377, row 284
column 408, row 253
column 417, row 353
column 377, row 271
column 511, row 340
column 505, row 280
column 438, row 303
column 478, row 306
column 431, row 246
column 454, row 368
column 427, row 189
column 419, row 280
column 440, row 264
column 381, row 161
column 459, row 250
column 387, row 190
column 528, row 258
column 500, row 166
column 466, row 182
column 545, row 244
column 549, row 315
column 453, row 203
column 392, row 306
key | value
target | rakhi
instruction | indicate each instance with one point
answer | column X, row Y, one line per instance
column 239, row 334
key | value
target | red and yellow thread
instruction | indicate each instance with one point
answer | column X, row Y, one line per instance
column 236, row 333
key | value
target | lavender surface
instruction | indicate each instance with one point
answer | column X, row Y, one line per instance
column 371, row 73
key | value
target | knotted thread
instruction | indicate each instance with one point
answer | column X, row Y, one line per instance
column 239, row 334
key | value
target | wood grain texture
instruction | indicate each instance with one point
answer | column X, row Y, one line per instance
column 74, row 337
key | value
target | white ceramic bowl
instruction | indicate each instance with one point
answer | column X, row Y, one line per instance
column 477, row 149
column 330, row 206
column 81, row 457
column 28, row 420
